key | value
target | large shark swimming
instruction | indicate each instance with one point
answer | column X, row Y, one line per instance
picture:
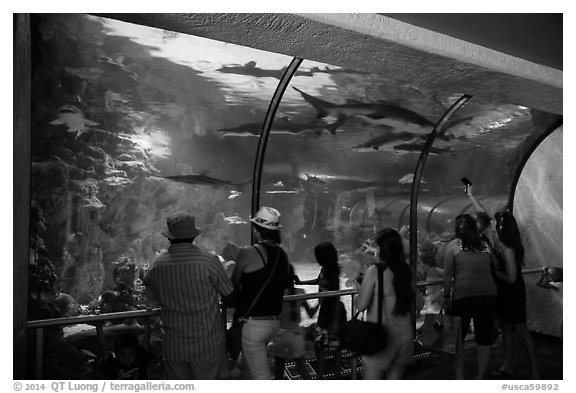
column 388, row 139
column 373, row 113
column 251, row 70
column 280, row 125
column 203, row 179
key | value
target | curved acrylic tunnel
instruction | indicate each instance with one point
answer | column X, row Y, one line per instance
column 435, row 214
column 538, row 208
column 106, row 135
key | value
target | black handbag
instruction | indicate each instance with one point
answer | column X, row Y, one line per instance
column 234, row 333
column 363, row 337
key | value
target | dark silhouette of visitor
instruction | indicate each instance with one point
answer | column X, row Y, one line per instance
column 188, row 283
column 332, row 313
column 512, row 296
column 129, row 360
column 289, row 342
column 261, row 274
column 396, row 306
column 470, row 290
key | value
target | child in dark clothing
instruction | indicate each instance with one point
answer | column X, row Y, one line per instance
column 129, row 359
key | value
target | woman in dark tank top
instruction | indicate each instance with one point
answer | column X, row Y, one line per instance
column 270, row 301
column 261, row 275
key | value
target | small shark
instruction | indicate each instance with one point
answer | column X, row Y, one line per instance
column 234, row 220
column 376, row 143
column 280, row 126
column 314, row 179
column 353, row 108
column 202, row 179
column 409, row 179
column 327, row 70
column 251, row 70
column 73, row 118
column 417, row 148
column 93, row 202
column 385, row 122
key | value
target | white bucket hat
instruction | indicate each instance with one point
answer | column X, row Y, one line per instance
column 181, row 225
column 267, row 217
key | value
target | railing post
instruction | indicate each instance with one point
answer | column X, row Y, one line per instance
column 39, row 352
column 147, row 333
column 101, row 339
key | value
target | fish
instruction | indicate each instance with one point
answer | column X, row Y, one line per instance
column 202, row 179
column 234, row 194
column 327, row 70
column 385, row 122
column 353, row 108
column 314, row 179
column 280, row 126
column 417, row 148
column 234, row 220
column 93, row 202
column 250, row 69
column 409, row 179
column 284, row 191
column 110, row 97
column 376, row 143
column 74, row 119
column 279, row 184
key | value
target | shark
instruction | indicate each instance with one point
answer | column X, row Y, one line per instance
column 353, row 108
column 203, row 179
column 73, row 118
column 417, row 148
column 251, row 70
column 409, row 179
column 376, row 143
column 233, row 220
column 374, row 113
column 280, row 126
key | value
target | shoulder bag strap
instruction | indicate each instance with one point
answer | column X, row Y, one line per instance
column 380, row 291
column 265, row 283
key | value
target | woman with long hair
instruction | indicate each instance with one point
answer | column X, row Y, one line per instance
column 470, row 290
column 397, row 299
column 332, row 314
column 512, row 295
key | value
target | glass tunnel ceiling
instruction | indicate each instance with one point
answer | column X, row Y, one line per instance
column 155, row 103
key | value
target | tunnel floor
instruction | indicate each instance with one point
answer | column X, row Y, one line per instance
column 549, row 352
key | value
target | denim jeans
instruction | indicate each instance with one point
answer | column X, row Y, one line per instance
column 256, row 335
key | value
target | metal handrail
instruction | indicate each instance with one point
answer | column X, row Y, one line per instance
column 85, row 319
column 99, row 320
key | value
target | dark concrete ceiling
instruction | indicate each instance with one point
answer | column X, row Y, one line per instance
column 533, row 37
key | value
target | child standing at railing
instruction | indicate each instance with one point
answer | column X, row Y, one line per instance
column 129, row 360
column 289, row 342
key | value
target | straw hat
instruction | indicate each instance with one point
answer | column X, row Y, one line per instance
column 267, row 217
column 181, row 225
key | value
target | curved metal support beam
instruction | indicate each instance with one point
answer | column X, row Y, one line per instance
column 264, row 135
column 437, row 130
column 401, row 216
column 525, row 159
column 436, row 206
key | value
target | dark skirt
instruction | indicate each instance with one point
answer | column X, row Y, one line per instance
column 512, row 301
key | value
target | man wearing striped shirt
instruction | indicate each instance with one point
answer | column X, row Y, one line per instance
column 188, row 282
